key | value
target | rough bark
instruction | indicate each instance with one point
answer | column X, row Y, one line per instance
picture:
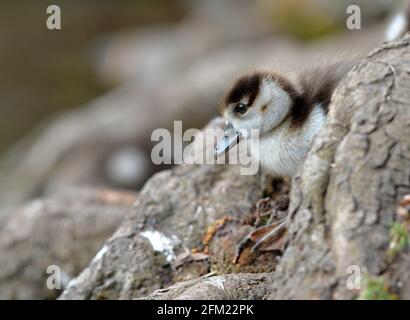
column 343, row 201
column 342, row 205
column 241, row 286
column 64, row 230
column 170, row 217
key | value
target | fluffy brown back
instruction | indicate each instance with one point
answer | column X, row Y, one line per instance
column 316, row 86
column 318, row 83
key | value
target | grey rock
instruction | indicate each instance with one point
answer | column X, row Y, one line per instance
column 171, row 215
column 64, row 230
column 239, row 286
column 344, row 199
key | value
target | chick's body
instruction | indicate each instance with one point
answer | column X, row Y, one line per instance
column 287, row 116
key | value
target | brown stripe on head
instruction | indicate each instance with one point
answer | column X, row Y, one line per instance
column 284, row 83
column 244, row 88
column 247, row 88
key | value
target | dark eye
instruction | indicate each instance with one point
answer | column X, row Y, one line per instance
column 240, row 108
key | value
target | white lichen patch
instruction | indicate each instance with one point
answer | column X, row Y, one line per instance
column 33, row 209
column 216, row 282
column 162, row 243
column 100, row 254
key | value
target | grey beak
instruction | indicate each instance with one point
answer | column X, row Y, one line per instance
column 227, row 141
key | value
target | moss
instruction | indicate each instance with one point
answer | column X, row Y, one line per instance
column 376, row 288
column 399, row 239
column 263, row 221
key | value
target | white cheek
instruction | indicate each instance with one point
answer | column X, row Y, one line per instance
column 275, row 115
column 278, row 108
column 251, row 120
